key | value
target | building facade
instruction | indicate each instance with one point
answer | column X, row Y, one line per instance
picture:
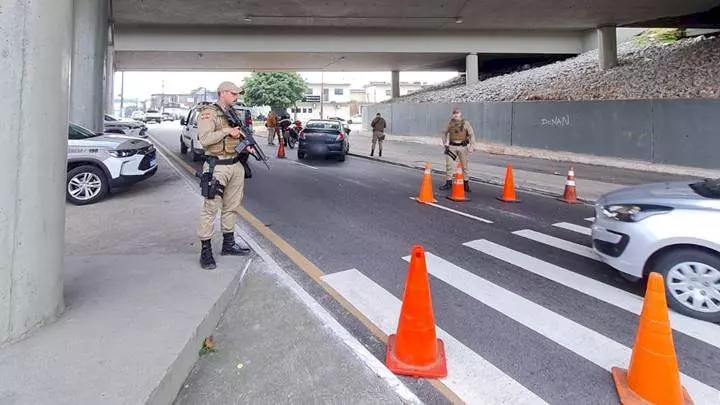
column 328, row 99
column 377, row 92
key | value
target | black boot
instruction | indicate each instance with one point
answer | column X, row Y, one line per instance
column 372, row 152
column 380, row 153
column 207, row 261
column 447, row 185
column 230, row 247
column 467, row 187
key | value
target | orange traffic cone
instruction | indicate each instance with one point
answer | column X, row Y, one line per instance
column 281, row 150
column 570, row 196
column 653, row 376
column 508, row 194
column 457, row 193
column 415, row 350
column 426, row 193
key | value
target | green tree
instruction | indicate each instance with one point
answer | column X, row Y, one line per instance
column 274, row 89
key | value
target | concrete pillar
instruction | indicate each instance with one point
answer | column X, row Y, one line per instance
column 110, row 81
column 472, row 69
column 607, row 47
column 36, row 48
column 88, row 63
column 395, row 84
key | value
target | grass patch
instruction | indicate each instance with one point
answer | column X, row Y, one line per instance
column 659, row 35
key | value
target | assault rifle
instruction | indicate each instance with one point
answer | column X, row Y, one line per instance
column 247, row 146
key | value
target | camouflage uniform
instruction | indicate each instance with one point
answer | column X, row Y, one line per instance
column 378, row 126
column 460, row 137
column 214, row 134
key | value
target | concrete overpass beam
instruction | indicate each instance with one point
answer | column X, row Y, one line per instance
column 110, row 81
column 88, row 63
column 395, row 84
column 472, row 69
column 607, row 47
column 33, row 133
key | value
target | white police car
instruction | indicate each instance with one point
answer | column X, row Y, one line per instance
column 101, row 163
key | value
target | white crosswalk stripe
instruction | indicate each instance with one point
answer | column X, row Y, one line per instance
column 468, row 373
column 575, row 228
column 571, row 247
column 587, row 343
column 590, row 219
column 704, row 331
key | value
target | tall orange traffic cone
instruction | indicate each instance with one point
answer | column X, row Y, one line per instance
column 653, row 376
column 426, row 193
column 508, row 194
column 570, row 195
column 457, row 193
column 281, row 150
column 415, row 350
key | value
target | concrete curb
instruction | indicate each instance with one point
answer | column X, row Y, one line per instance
column 487, row 180
column 172, row 382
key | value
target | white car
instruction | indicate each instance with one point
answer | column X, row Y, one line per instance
column 355, row 119
column 138, row 115
column 670, row 228
column 100, row 163
column 153, row 116
column 124, row 126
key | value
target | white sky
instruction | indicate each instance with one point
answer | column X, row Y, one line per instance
column 142, row 84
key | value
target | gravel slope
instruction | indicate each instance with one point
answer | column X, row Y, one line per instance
column 689, row 68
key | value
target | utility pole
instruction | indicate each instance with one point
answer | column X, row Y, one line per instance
column 322, row 93
column 122, row 94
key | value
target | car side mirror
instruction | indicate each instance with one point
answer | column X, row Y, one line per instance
column 182, row 122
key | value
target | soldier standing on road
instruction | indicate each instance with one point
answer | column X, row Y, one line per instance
column 378, row 126
column 219, row 141
column 459, row 137
column 273, row 128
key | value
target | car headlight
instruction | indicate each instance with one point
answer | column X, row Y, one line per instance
column 633, row 212
column 122, row 153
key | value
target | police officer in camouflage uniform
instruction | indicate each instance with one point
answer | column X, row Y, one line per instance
column 459, row 137
column 219, row 141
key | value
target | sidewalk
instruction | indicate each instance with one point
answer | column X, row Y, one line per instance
column 139, row 308
column 533, row 174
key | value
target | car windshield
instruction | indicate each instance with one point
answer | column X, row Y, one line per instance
column 77, row 132
column 708, row 188
column 323, row 125
column 110, row 118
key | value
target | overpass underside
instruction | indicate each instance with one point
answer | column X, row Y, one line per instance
column 144, row 48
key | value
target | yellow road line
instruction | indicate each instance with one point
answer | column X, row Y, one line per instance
column 313, row 272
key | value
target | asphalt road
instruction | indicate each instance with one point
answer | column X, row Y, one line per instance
column 551, row 333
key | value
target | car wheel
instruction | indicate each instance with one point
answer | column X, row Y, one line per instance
column 86, row 185
column 183, row 147
column 692, row 281
column 195, row 156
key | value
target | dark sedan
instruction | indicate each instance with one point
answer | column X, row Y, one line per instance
column 326, row 138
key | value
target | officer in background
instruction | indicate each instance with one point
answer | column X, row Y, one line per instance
column 459, row 137
column 378, row 126
column 219, row 141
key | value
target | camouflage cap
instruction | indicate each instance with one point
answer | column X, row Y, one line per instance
column 230, row 86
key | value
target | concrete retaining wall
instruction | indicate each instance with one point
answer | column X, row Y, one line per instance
column 677, row 132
